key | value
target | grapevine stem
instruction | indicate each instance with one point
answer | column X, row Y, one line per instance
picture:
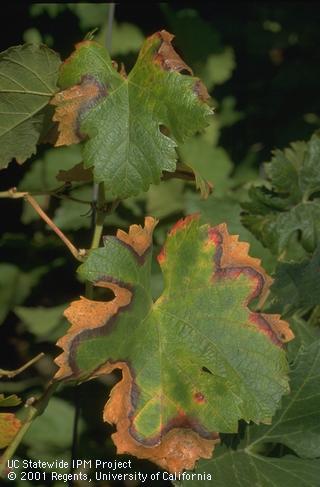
column 79, row 254
column 56, row 193
column 12, row 373
column 34, row 410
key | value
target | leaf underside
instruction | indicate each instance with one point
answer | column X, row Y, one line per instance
column 130, row 124
column 195, row 361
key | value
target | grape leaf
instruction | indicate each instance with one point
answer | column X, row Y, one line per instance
column 212, row 163
column 126, row 38
column 45, row 323
column 9, row 401
column 51, row 433
column 42, row 175
column 218, row 68
column 15, row 286
column 305, row 333
column 296, row 285
column 28, row 77
column 296, row 425
column 291, row 209
column 9, row 423
column 193, row 362
column 9, row 426
column 227, row 209
column 165, row 199
column 123, row 118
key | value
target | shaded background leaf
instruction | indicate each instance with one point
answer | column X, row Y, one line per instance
column 28, row 79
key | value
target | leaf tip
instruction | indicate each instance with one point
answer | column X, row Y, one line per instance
column 139, row 238
column 183, row 223
column 166, row 57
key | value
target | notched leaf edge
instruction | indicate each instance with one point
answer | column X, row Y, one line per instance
column 87, row 316
column 178, row 447
column 232, row 260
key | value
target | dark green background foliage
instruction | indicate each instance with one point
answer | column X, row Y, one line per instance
column 261, row 64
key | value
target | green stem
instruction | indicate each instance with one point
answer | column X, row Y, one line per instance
column 33, row 412
column 12, row 373
column 100, row 216
column 97, row 232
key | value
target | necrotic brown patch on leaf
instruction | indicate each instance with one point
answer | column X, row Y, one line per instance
column 167, row 57
column 232, row 260
column 86, row 315
column 72, row 104
column 180, row 420
column 177, row 449
column 199, row 398
column 9, row 427
column 92, row 318
column 176, row 439
column 139, row 238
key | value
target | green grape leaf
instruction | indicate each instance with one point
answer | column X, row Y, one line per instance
column 72, row 215
column 305, row 333
column 227, row 209
column 296, row 285
column 43, row 173
column 43, row 176
column 51, row 434
column 52, row 431
column 165, row 199
column 45, row 323
column 28, row 77
column 126, row 38
column 287, row 216
column 15, row 286
column 131, row 124
column 9, row 401
column 218, row 68
column 212, row 163
column 296, row 425
column 195, row 361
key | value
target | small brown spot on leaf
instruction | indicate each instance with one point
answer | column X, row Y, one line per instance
column 199, row 398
